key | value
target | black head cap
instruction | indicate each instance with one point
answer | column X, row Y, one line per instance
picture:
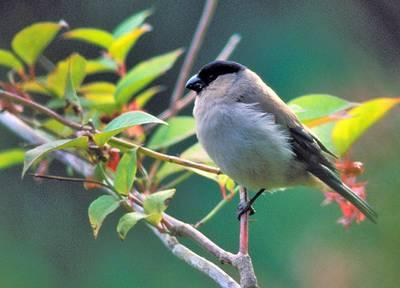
column 210, row 72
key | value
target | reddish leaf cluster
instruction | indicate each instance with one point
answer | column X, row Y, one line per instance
column 349, row 170
column 113, row 161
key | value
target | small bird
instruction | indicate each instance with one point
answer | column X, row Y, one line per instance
column 256, row 139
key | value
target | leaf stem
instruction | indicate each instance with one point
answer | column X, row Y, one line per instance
column 216, row 209
column 177, row 180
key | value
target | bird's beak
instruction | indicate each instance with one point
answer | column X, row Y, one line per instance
column 195, row 83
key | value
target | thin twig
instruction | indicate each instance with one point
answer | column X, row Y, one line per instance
column 216, row 209
column 230, row 46
column 198, row 37
column 39, row 108
column 69, row 179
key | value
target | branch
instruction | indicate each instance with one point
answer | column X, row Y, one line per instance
column 244, row 223
column 22, row 130
column 196, row 261
column 180, row 228
column 240, row 261
column 243, row 262
column 39, row 108
column 114, row 140
column 205, row 19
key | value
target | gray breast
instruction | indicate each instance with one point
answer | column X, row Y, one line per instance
column 246, row 144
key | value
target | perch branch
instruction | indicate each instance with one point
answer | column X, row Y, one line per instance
column 198, row 37
column 22, row 130
column 243, row 261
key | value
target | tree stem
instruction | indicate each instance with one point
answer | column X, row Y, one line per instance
column 205, row 20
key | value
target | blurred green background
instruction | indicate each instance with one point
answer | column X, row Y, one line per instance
column 350, row 49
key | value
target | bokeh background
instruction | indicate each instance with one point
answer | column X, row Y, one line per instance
column 346, row 48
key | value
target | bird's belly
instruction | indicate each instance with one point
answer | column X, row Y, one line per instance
column 247, row 145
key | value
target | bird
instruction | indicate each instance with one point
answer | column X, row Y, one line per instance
column 255, row 138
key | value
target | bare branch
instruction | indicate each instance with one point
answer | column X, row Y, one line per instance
column 183, row 229
column 194, row 260
column 230, row 46
column 205, row 19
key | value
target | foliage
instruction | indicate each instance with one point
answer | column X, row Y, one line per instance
column 103, row 110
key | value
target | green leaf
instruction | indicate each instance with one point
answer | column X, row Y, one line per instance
column 98, row 96
column 143, row 74
column 178, row 129
column 32, row 156
column 57, row 79
column 123, row 122
column 315, row 106
column 36, row 87
column 11, row 157
column 57, row 128
column 9, row 60
column 347, row 131
column 324, row 134
column 155, row 204
column 196, row 153
column 131, row 23
column 99, row 209
column 70, row 91
column 142, row 99
column 91, row 35
column 30, row 42
column 120, row 47
column 101, row 65
column 98, row 88
column 127, row 221
column 99, row 103
column 126, row 172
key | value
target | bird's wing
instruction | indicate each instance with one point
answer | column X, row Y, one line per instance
column 308, row 149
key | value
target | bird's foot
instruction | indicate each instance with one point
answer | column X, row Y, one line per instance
column 245, row 207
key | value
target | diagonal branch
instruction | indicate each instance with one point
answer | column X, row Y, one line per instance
column 114, row 140
column 205, row 19
column 196, row 261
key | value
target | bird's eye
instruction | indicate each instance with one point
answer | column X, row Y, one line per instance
column 211, row 77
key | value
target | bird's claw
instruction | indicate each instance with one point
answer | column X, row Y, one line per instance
column 244, row 207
